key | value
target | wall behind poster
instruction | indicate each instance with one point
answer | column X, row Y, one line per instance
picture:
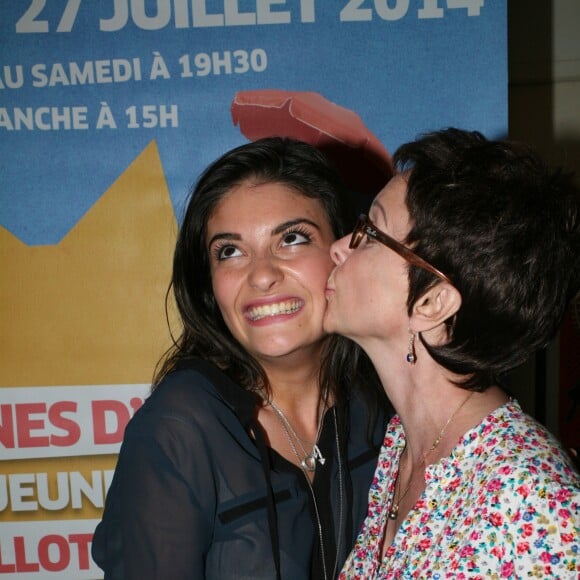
column 109, row 111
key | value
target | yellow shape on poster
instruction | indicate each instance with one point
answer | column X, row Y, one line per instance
column 91, row 309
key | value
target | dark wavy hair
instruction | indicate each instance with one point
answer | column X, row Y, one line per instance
column 505, row 228
column 204, row 333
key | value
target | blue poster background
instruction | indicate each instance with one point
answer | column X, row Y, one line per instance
column 402, row 76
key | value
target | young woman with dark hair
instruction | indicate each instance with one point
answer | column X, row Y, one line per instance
column 461, row 271
column 253, row 456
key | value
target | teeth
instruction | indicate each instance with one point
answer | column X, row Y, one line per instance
column 274, row 309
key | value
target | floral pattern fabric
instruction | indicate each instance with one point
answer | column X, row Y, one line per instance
column 504, row 504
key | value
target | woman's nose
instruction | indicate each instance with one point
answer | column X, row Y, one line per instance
column 339, row 251
column 264, row 273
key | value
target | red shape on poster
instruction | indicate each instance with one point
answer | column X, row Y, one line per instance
column 340, row 133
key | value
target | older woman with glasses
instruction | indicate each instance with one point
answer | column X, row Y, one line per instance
column 463, row 269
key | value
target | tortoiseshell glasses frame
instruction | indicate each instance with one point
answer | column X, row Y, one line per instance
column 364, row 227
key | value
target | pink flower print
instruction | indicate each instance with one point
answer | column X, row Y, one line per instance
column 496, row 519
column 505, row 469
column 454, row 565
column 530, row 512
column 523, row 547
column 564, row 513
column 524, row 490
column 487, row 429
column 424, row 544
column 507, row 569
column 467, row 551
column 454, row 484
column 563, row 495
column 498, row 552
column 527, row 530
column 567, row 538
column 545, row 557
column 388, row 441
column 475, row 535
column 494, row 485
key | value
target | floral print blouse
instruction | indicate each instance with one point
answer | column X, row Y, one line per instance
column 504, row 504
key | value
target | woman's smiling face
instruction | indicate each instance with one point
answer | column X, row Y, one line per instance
column 269, row 249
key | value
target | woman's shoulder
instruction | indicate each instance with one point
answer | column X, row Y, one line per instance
column 194, row 391
column 510, row 443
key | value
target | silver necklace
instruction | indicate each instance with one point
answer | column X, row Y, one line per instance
column 305, row 470
column 308, row 460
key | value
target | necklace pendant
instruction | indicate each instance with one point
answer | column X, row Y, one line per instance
column 394, row 512
column 309, row 463
column 318, row 455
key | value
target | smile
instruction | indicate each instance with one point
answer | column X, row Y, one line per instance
column 279, row 308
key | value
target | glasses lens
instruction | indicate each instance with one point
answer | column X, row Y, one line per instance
column 357, row 234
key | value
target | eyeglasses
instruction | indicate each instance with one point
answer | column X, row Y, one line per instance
column 364, row 227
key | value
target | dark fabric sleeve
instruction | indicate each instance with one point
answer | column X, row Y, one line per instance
column 157, row 522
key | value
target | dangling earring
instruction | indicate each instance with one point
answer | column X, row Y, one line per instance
column 411, row 358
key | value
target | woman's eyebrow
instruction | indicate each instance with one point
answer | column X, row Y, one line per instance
column 284, row 226
column 277, row 230
column 224, row 236
column 380, row 208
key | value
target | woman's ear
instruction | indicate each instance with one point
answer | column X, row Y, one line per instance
column 438, row 304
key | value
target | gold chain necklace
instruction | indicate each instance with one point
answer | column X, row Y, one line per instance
column 397, row 495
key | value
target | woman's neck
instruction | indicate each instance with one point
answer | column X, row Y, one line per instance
column 434, row 411
column 292, row 415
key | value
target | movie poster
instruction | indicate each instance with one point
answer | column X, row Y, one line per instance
column 109, row 111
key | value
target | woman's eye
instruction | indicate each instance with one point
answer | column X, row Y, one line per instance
column 295, row 238
column 226, row 252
